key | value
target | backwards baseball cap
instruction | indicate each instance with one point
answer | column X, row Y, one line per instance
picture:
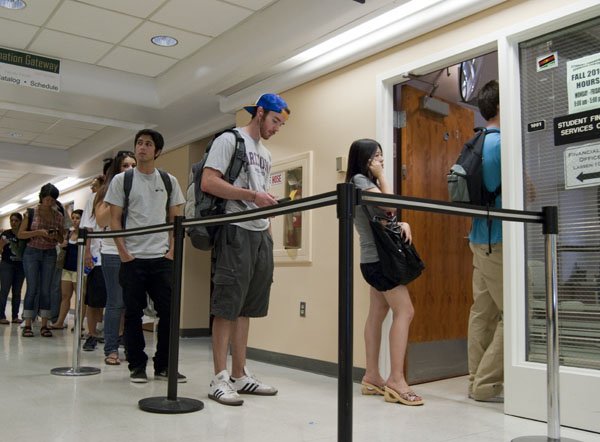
column 270, row 102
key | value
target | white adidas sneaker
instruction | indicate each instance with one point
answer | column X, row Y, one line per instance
column 221, row 390
column 249, row 384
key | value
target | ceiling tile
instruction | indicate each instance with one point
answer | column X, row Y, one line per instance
column 188, row 42
column 35, row 13
column 208, row 17
column 63, row 128
column 138, row 8
column 19, row 125
column 88, row 21
column 25, row 135
column 60, row 141
column 16, row 35
column 30, row 116
column 138, row 62
column 255, row 5
column 83, row 125
column 67, row 46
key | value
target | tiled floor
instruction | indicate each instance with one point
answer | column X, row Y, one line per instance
column 38, row 406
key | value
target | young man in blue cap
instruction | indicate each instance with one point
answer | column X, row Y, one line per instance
column 243, row 251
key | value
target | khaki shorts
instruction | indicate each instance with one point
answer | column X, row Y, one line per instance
column 69, row 275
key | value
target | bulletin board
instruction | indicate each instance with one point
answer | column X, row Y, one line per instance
column 291, row 177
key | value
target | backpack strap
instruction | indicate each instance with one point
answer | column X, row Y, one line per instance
column 238, row 159
column 30, row 215
column 494, row 194
column 169, row 188
column 127, row 184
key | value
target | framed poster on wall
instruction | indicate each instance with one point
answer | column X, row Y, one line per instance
column 291, row 177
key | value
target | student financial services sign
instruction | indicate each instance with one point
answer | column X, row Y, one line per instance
column 23, row 69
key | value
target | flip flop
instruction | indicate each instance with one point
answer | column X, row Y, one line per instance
column 408, row 398
column 112, row 360
column 4, row 321
column 370, row 389
column 17, row 321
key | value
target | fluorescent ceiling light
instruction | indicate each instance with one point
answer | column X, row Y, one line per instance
column 35, row 196
column 375, row 24
column 164, row 40
column 68, row 183
column 8, row 208
column 12, row 4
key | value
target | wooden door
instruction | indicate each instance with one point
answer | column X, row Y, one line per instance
column 428, row 146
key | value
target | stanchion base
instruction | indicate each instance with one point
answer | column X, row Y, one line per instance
column 164, row 405
column 71, row 371
column 542, row 439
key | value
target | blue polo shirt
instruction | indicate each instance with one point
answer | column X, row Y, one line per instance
column 492, row 178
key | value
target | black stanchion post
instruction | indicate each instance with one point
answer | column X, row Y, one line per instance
column 172, row 404
column 76, row 369
column 345, row 213
column 550, row 230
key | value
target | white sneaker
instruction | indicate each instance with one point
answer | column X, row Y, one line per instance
column 222, row 391
column 249, row 384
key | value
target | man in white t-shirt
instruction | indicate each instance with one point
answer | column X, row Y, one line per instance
column 146, row 260
column 243, row 251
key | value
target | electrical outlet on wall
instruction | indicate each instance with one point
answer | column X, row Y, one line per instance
column 303, row 309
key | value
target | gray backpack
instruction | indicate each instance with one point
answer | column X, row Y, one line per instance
column 199, row 204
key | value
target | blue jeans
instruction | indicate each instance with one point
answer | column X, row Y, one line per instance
column 39, row 266
column 114, row 302
column 11, row 276
column 154, row 277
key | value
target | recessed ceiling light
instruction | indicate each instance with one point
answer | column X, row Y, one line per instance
column 164, row 40
column 12, row 4
column 15, row 134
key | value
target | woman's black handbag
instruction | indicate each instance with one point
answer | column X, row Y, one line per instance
column 399, row 259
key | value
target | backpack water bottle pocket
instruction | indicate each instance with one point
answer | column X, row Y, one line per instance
column 457, row 184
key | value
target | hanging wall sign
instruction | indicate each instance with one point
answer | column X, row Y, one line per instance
column 582, row 166
column 22, row 69
column 582, row 126
column 583, row 83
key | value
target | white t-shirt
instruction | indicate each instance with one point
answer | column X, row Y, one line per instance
column 254, row 177
column 88, row 220
column 147, row 207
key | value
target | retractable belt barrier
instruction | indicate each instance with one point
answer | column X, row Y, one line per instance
column 346, row 197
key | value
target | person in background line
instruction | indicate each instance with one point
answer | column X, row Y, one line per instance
column 365, row 171
column 39, row 258
column 111, row 263
column 485, row 342
column 11, row 268
column 55, row 286
column 243, row 251
column 69, row 270
column 146, row 260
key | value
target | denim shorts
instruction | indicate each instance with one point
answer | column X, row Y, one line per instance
column 373, row 274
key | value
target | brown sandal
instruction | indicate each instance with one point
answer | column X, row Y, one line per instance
column 27, row 332
column 45, row 332
column 368, row 389
column 408, row 398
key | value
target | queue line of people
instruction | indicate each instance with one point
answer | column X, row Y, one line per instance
column 139, row 266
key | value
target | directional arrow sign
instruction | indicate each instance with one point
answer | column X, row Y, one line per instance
column 582, row 166
column 588, row 176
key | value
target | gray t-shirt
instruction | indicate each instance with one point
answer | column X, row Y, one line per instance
column 254, row 177
column 147, row 202
column 368, row 250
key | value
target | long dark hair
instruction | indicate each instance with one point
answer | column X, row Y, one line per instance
column 114, row 169
column 361, row 151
